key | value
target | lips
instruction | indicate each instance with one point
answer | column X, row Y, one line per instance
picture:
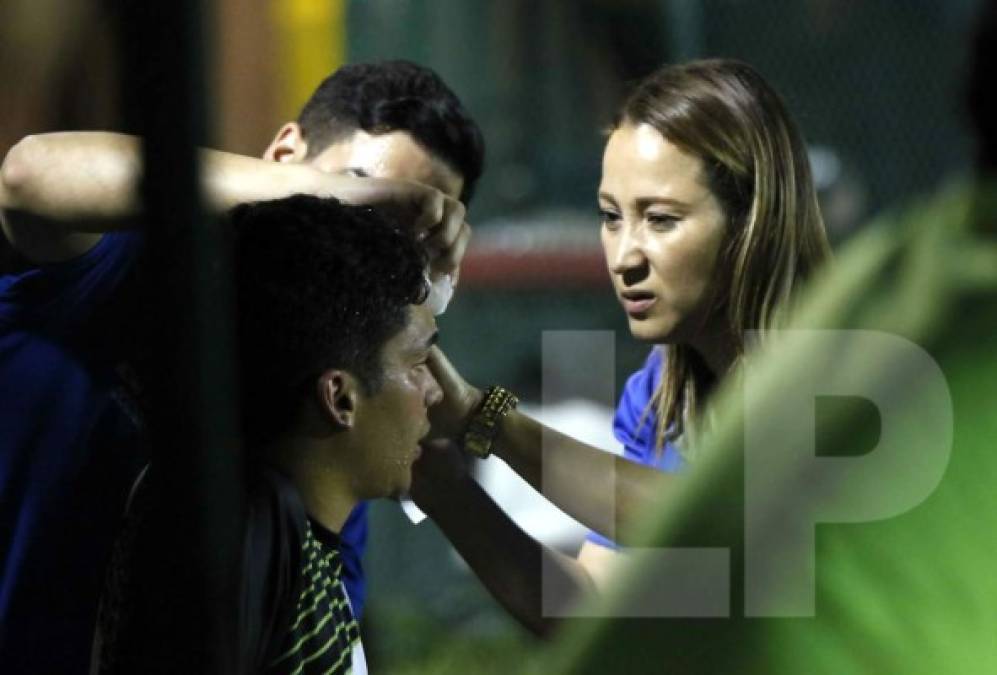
column 417, row 453
column 637, row 303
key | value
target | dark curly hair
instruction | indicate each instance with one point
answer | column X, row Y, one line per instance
column 396, row 96
column 319, row 284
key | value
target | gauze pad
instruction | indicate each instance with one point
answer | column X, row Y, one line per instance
column 440, row 293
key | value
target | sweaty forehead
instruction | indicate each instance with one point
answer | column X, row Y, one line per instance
column 392, row 155
column 422, row 324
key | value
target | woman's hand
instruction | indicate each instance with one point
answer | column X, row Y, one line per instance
column 450, row 417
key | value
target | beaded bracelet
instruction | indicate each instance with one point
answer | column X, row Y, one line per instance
column 484, row 424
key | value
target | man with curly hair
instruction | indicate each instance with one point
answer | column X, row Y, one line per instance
column 333, row 343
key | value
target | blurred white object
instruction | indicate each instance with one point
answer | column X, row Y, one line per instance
column 440, row 293
column 413, row 512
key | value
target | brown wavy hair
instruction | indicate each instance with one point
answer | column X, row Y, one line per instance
column 756, row 165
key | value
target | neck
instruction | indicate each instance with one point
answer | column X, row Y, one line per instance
column 324, row 488
column 718, row 352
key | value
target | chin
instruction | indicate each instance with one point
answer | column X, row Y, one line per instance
column 652, row 332
column 403, row 488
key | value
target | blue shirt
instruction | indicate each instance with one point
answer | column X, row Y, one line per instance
column 352, row 544
column 69, row 452
column 635, row 425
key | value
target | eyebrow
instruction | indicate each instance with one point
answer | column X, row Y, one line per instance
column 644, row 202
column 356, row 171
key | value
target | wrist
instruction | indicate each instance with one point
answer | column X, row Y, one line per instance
column 350, row 189
column 471, row 403
column 485, row 424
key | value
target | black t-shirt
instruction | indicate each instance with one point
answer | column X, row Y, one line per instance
column 288, row 605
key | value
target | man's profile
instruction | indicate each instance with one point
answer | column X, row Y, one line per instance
column 335, row 391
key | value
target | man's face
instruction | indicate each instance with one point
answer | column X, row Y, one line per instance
column 391, row 422
column 391, row 155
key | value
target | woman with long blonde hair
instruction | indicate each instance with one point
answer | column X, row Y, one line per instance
column 706, row 176
column 709, row 223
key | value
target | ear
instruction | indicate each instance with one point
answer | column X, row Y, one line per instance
column 289, row 145
column 338, row 392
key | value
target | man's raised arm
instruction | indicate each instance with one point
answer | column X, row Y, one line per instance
column 59, row 192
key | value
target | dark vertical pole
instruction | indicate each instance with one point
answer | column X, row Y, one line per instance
column 196, row 471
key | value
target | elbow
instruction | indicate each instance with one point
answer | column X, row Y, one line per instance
column 17, row 171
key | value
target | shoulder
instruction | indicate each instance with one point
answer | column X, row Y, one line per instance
column 633, row 410
column 269, row 564
column 322, row 631
column 641, row 385
column 276, row 533
column 69, row 291
column 635, row 423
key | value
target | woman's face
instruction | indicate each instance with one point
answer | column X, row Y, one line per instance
column 662, row 230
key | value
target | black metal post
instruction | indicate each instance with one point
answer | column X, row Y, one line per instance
column 196, row 464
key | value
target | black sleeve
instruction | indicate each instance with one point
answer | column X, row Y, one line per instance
column 149, row 610
column 271, row 567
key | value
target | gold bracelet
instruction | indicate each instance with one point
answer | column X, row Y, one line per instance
column 484, row 424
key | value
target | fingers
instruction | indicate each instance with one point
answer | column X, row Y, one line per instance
column 447, row 260
column 429, row 207
column 446, row 240
column 438, row 219
column 459, row 397
column 444, row 371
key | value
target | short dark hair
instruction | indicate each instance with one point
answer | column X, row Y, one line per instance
column 396, row 96
column 318, row 285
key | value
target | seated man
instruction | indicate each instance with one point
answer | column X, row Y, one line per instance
column 335, row 393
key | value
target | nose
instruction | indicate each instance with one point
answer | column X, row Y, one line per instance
column 628, row 255
column 434, row 393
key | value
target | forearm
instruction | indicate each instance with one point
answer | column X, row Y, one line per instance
column 522, row 574
column 599, row 489
column 88, row 181
column 59, row 192
column 228, row 179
